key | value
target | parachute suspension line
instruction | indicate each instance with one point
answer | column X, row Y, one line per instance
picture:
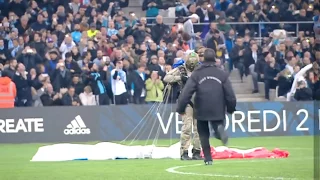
column 171, row 108
column 155, row 119
column 142, row 120
column 167, row 91
column 149, row 113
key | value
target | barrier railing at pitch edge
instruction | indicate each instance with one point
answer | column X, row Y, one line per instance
column 297, row 23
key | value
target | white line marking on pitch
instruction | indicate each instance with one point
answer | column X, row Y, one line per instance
column 174, row 170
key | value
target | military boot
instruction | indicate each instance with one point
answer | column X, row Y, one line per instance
column 185, row 156
column 196, row 155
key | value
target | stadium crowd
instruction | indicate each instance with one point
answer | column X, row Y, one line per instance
column 88, row 52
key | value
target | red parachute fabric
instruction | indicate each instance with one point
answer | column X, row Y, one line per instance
column 233, row 153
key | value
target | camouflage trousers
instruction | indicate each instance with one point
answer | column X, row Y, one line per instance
column 186, row 131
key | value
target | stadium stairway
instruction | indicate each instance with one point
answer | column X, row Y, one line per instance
column 243, row 90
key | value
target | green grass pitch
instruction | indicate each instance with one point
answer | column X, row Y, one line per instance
column 15, row 164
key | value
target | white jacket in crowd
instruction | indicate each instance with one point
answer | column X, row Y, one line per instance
column 88, row 99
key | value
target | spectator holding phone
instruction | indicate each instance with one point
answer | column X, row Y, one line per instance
column 118, row 84
column 154, row 87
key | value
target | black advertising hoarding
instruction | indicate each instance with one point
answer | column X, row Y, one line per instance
column 49, row 124
column 115, row 123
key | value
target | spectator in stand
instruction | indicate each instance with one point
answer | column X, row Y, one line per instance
column 51, row 98
column 77, row 84
column 70, row 98
column 87, row 98
column 154, row 66
column 61, row 76
column 206, row 15
column 4, row 52
column 19, row 7
column 138, row 88
column 66, row 45
column 39, row 24
column 96, row 79
column 38, row 45
column 24, row 81
column 11, row 69
column 118, row 84
column 285, row 80
column 76, row 34
column 251, row 58
column 313, row 83
column 139, row 33
column 222, row 26
column 158, row 30
column 152, row 8
column 271, row 76
column 71, row 64
column 303, row 93
column 217, row 43
column 183, row 9
column 237, row 56
column 154, row 87
column 189, row 29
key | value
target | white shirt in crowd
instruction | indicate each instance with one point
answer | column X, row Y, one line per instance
column 118, row 85
column 64, row 48
column 87, row 99
column 206, row 16
column 143, row 93
column 255, row 56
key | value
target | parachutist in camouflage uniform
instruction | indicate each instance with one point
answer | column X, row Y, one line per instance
column 180, row 75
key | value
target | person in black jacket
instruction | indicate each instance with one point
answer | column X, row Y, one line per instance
column 303, row 93
column 71, row 98
column 138, row 80
column 24, row 82
column 271, row 72
column 214, row 96
column 96, row 80
column 71, row 64
column 237, row 56
column 158, row 30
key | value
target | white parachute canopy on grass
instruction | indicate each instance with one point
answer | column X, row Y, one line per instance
column 105, row 151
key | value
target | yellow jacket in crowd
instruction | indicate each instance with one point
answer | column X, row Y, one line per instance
column 154, row 90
